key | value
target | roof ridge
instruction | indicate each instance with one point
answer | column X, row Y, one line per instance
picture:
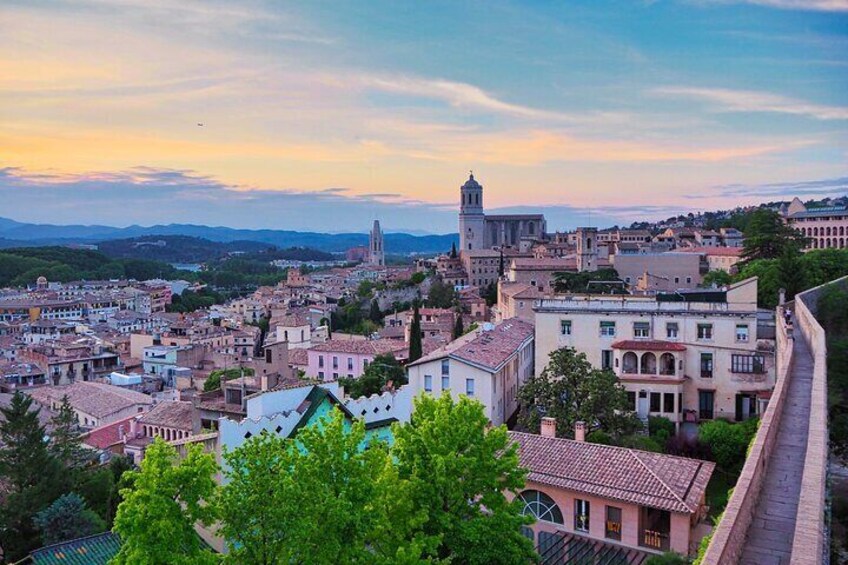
column 662, row 482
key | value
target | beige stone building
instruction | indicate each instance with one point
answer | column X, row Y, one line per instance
column 680, row 270
column 824, row 228
column 539, row 272
column 686, row 356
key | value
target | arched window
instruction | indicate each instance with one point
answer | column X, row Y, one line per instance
column 816, row 231
column 667, row 364
column 841, row 230
column 540, row 506
column 630, row 363
column 649, row 364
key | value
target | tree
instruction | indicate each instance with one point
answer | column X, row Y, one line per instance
column 415, row 346
column 32, row 476
column 767, row 236
column 571, row 390
column 459, row 470
column 791, row 271
column 256, row 501
column 66, row 519
column 382, row 370
column 580, row 282
column 375, row 315
column 441, row 295
column 458, row 329
column 453, row 250
column 728, row 442
column 66, row 442
column 213, row 381
column 501, row 265
column 167, row 497
column 717, row 278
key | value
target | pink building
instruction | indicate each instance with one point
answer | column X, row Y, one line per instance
column 335, row 359
column 610, row 500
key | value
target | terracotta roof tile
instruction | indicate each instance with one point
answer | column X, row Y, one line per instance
column 671, row 483
column 648, row 345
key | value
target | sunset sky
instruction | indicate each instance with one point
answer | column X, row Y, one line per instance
column 324, row 115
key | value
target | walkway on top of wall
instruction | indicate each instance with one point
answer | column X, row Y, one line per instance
column 770, row 535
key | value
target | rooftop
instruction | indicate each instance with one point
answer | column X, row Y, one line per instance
column 97, row 399
column 175, row 414
column 648, row 345
column 666, row 482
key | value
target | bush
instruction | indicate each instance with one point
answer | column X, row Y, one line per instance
column 660, row 428
column 643, row 443
column 599, row 436
column 728, row 442
column 667, row 558
column 684, row 446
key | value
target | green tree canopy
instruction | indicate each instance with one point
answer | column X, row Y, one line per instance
column 66, row 440
column 569, row 389
column 66, row 519
column 459, row 469
column 167, row 497
column 441, row 294
column 767, row 236
column 32, row 476
column 382, row 370
column 580, row 282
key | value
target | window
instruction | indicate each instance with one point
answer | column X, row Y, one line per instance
column 705, row 331
column 428, row 383
column 540, row 506
column 641, row 329
column 706, row 400
column 445, row 367
column 613, row 524
column 746, row 406
column 742, row 332
column 750, row 364
column 631, row 399
column 676, row 280
column 335, row 362
column 445, row 383
column 320, row 360
column 706, row 365
column 668, row 402
column 608, row 329
column 606, row 359
column 581, row 515
column 688, row 280
column 469, row 387
column 655, row 401
column 671, row 330
column 565, row 327
column 320, row 374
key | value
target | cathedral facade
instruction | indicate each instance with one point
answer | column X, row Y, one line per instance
column 480, row 231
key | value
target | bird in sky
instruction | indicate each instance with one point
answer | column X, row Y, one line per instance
column 200, row 124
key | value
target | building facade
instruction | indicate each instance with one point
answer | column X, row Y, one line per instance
column 685, row 356
column 478, row 231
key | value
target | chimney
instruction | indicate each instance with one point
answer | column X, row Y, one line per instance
column 548, row 427
column 580, row 431
column 133, row 427
column 781, row 300
column 121, row 434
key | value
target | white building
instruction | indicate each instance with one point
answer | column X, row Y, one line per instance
column 489, row 364
column 683, row 355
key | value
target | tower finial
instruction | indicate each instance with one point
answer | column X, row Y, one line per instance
column 471, row 174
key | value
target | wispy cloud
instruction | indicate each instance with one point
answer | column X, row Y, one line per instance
column 823, row 187
column 810, row 5
column 754, row 101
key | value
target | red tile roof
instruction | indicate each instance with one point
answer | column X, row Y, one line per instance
column 676, row 484
column 648, row 345
column 108, row 435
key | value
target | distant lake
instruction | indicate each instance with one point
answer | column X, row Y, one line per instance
column 192, row 267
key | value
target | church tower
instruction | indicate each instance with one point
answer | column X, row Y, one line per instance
column 471, row 218
column 376, row 253
column 587, row 249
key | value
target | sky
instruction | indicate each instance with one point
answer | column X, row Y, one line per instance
column 325, row 115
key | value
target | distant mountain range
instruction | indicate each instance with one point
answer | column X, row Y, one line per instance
column 18, row 234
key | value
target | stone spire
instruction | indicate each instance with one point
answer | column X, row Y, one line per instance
column 376, row 252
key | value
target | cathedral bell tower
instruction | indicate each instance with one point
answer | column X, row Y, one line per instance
column 471, row 218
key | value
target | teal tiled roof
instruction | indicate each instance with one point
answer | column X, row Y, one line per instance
column 91, row 550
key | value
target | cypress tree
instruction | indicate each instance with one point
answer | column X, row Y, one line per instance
column 458, row 329
column 415, row 348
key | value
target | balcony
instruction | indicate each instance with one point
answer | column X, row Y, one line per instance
column 654, row 528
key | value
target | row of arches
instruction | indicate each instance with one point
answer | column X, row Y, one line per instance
column 168, row 434
column 648, row 364
column 828, row 243
column 827, row 231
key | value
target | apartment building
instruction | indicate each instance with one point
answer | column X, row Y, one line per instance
column 489, row 364
column 687, row 356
